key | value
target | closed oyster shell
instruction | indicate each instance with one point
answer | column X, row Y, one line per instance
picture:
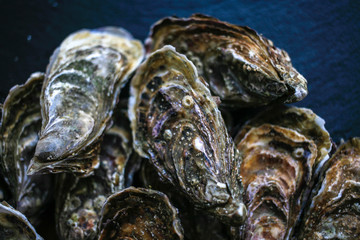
column 276, row 168
column 334, row 210
column 20, row 124
column 14, row 225
column 242, row 67
column 301, row 120
column 79, row 200
column 137, row 213
column 177, row 125
column 79, row 94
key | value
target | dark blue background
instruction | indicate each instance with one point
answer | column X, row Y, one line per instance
column 321, row 37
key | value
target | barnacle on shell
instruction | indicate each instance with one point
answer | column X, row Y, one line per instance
column 20, row 124
column 241, row 66
column 177, row 125
column 137, row 213
column 79, row 94
column 276, row 168
column 334, row 210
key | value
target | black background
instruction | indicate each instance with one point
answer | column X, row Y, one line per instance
column 321, row 37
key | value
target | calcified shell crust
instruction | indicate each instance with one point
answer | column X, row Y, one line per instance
column 177, row 125
column 301, row 120
column 79, row 200
column 20, row 124
column 14, row 225
column 241, row 66
column 137, row 213
column 334, row 211
column 79, row 94
column 276, row 168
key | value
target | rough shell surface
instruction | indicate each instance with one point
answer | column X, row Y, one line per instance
column 177, row 125
column 79, row 200
column 197, row 224
column 276, row 169
column 301, row 120
column 20, row 124
column 137, row 213
column 241, row 66
column 79, row 94
column 334, row 210
column 14, row 225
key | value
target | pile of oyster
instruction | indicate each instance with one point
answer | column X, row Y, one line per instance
column 188, row 139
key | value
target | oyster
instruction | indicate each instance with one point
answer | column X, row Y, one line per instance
column 334, row 211
column 79, row 200
column 137, row 213
column 20, row 124
column 14, row 225
column 276, row 168
column 242, row 67
column 79, row 94
column 177, row 125
column 301, row 120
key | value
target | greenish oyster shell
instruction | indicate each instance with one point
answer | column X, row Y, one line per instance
column 138, row 213
column 301, row 120
column 14, row 225
column 79, row 200
column 178, row 126
column 242, row 67
column 20, row 124
column 276, row 169
column 79, row 94
column 334, row 210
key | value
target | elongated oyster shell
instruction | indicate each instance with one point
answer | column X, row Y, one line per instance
column 14, row 225
column 177, row 125
column 276, row 168
column 301, row 120
column 20, row 124
column 242, row 67
column 137, row 213
column 79, row 94
column 334, row 211
column 79, row 200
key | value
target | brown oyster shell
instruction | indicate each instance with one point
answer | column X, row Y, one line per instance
column 196, row 223
column 276, row 168
column 241, row 66
column 301, row 120
column 137, row 213
column 14, row 225
column 177, row 125
column 79, row 200
column 79, row 94
column 20, row 124
column 334, row 211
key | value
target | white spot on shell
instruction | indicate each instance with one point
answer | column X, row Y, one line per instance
column 167, row 134
column 187, row 102
column 199, row 144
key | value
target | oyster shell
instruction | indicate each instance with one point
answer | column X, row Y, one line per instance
column 301, row 120
column 334, row 211
column 79, row 94
column 20, row 124
column 177, row 125
column 137, row 213
column 79, row 200
column 14, row 225
column 276, row 168
column 242, row 67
